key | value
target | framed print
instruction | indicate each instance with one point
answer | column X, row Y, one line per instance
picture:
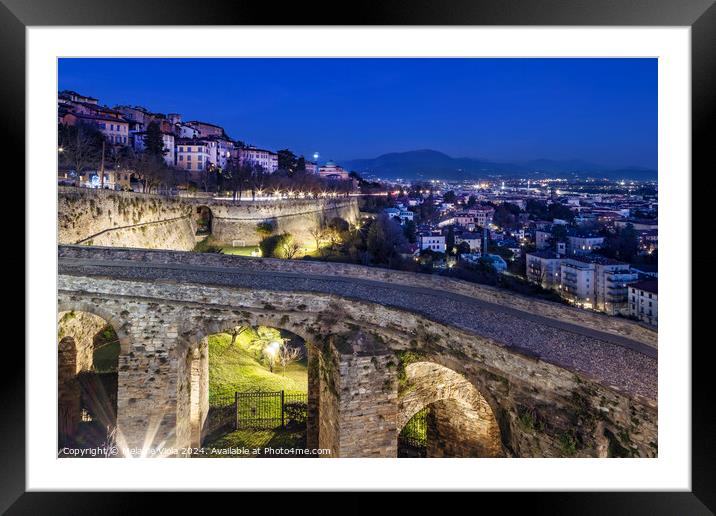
column 422, row 243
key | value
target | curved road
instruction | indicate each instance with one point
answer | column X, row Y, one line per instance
column 614, row 360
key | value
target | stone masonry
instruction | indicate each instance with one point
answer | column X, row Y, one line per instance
column 133, row 220
column 541, row 407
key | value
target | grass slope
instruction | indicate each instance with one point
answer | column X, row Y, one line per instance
column 238, row 368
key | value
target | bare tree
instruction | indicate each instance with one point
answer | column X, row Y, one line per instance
column 319, row 235
column 290, row 248
column 80, row 146
column 287, row 355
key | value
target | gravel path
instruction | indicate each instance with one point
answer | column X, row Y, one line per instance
column 615, row 361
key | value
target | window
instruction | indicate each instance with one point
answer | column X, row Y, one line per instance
column 198, row 166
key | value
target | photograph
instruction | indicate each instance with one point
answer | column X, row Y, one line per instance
column 358, row 257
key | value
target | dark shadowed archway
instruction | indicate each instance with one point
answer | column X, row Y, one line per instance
column 88, row 355
column 458, row 420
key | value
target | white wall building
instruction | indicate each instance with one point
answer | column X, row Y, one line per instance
column 644, row 301
column 583, row 244
column 434, row 242
column 263, row 158
column 543, row 268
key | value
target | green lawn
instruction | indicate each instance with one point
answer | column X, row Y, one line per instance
column 238, row 368
column 248, row 440
column 242, row 251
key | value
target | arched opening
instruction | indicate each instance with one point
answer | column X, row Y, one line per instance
column 248, row 388
column 203, row 220
column 88, row 356
column 136, row 183
column 442, row 414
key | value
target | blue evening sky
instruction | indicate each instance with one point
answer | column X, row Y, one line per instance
column 599, row 110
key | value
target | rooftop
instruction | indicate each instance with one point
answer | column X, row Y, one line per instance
column 647, row 286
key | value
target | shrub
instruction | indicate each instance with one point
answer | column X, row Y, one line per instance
column 265, row 228
column 295, row 412
column 272, row 246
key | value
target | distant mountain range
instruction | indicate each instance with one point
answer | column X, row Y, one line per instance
column 430, row 164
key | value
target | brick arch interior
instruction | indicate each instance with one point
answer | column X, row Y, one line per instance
column 78, row 324
column 461, row 422
column 68, row 390
column 203, row 219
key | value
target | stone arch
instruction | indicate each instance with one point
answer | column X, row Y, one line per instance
column 461, row 420
column 193, row 384
column 203, row 219
column 87, row 398
column 66, row 305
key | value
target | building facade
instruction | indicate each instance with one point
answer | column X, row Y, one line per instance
column 644, row 301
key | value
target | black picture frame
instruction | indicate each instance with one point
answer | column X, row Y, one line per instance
column 700, row 15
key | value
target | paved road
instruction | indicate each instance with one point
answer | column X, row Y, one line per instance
column 615, row 360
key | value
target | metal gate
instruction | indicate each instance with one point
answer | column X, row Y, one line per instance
column 259, row 410
column 413, row 438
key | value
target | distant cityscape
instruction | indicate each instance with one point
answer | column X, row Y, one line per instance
column 591, row 242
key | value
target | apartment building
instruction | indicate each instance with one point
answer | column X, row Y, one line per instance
column 544, row 268
column 579, row 244
column 192, row 155
column 644, row 301
column 263, row 158
column 433, row 241
column 597, row 283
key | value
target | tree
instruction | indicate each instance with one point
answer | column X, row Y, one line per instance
column 81, row 146
column 450, row 240
column 265, row 228
column 385, row 240
column 621, row 245
column 273, row 246
column 319, row 234
column 287, row 355
column 506, row 214
column 449, row 196
column 290, row 248
column 287, row 161
column 235, row 332
column 237, row 175
column 410, row 231
column 153, row 141
column 559, row 234
column 463, row 248
column 301, row 164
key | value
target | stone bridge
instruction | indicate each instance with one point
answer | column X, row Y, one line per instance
column 504, row 375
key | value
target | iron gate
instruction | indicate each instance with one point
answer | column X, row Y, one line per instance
column 259, row 410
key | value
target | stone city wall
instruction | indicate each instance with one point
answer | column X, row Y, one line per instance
column 123, row 219
column 237, row 221
column 127, row 219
